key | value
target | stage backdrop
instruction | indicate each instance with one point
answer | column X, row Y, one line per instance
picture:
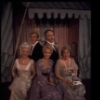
column 72, row 31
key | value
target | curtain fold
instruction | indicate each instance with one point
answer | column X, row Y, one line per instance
column 64, row 35
column 6, row 41
column 84, row 52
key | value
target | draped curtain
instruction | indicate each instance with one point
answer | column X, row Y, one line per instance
column 28, row 26
column 77, row 35
column 6, row 41
column 84, row 52
column 61, row 35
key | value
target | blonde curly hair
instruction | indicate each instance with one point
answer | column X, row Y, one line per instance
column 24, row 44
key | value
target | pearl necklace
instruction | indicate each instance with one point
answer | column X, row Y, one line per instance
column 23, row 61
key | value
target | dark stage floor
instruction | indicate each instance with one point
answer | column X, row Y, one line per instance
column 5, row 93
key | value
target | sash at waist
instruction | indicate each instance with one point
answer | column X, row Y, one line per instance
column 45, row 74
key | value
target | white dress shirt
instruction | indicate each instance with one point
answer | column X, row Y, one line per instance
column 52, row 44
column 32, row 47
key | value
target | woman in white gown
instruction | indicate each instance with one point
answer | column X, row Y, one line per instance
column 23, row 72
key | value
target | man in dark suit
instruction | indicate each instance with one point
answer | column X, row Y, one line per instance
column 36, row 47
column 49, row 37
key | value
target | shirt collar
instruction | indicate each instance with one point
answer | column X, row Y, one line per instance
column 34, row 43
column 51, row 43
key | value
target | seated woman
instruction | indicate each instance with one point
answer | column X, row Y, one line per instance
column 43, row 87
column 66, row 72
column 23, row 72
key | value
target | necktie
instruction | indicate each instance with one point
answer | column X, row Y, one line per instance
column 52, row 44
column 53, row 47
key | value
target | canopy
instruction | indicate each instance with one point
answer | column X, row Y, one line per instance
column 76, row 9
column 57, row 12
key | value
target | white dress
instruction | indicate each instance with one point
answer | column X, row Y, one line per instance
column 22, row 82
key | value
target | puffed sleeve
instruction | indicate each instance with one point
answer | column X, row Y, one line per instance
column 57, row 67
column 41, row 79
column 51, row 71
column 14, row 70
column 74, row 65
column 33, row 71
column 38, row 69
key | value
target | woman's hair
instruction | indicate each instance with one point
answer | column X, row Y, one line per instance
column 35, row 33
column 24, row 44
column 47, row 46
column 65, row 48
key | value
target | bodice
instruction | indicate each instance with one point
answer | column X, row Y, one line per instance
column 23, row 70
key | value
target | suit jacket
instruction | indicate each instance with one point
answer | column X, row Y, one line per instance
column 37, row 52
column 54, row 56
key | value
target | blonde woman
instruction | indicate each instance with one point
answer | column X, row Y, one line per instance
column 23, row 72
column 66, row 72
column 43, row 86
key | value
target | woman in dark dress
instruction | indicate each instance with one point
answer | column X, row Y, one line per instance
column 43, row 87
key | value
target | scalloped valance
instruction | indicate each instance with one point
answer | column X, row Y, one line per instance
column 62, row 12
